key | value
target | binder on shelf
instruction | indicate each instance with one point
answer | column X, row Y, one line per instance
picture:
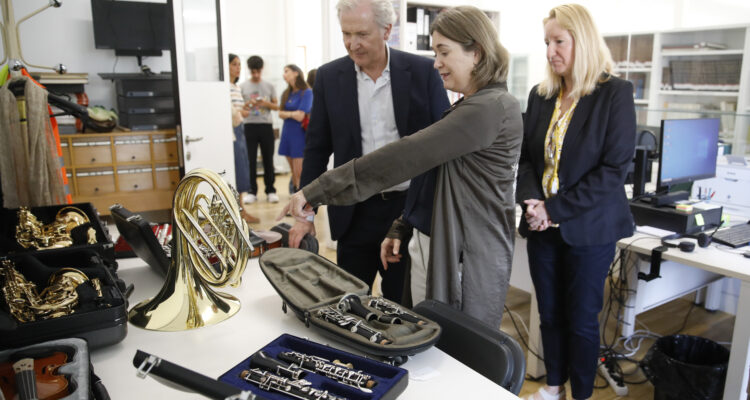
column 420, row 21
column 411, row 36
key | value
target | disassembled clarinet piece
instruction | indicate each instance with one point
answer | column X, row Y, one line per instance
column 389, row 308
column 321, row 366
column 299, row 389
column 333, row 315
column 352, row 304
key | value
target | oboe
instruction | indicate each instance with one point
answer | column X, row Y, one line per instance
column 321, row 366
column 263, row 360
column 299, row 388
column 388, row 308
column 332, row 315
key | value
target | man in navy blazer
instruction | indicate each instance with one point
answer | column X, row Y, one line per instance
column 363, row 101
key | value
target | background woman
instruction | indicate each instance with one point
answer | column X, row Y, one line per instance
column 578, row 141
column 476, row 146
column 296, row 102
column 239, row 112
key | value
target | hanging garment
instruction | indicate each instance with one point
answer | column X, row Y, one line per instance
column 30, row 168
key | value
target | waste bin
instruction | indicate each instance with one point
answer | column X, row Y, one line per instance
column 686, row 367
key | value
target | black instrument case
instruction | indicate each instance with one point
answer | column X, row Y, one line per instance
column 315, row 288
column 100, row 320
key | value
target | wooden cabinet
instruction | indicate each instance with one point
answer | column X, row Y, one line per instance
column 139, row 169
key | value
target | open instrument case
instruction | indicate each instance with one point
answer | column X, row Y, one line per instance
column 98, row 300
column 46, row 215
column 62, row 369
column 336, row 303
column 324, row 368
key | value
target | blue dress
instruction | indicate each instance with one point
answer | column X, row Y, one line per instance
column 292, row 135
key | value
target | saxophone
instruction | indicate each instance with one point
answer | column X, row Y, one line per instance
column 30, row 232
column 57, row 299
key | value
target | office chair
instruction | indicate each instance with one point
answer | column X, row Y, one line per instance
column 490, row 352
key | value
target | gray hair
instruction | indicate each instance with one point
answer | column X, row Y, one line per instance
column 382, row 9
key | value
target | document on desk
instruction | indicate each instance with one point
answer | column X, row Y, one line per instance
column 650, row 230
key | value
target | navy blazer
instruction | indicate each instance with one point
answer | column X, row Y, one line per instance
column 419, row 99
column 591, row 205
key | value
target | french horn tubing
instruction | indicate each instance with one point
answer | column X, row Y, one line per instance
column 211, row 249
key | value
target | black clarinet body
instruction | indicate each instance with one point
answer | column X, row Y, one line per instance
column 388, row 308
column 321, row 366
column 299, row 389
column 333, row 315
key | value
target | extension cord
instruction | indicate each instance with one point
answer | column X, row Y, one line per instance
column 619, row 389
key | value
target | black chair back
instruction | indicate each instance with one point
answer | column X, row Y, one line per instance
column 491, row 352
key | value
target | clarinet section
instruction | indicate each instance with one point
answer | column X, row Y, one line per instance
column 292, row 367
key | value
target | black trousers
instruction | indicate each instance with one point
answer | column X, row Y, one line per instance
column 260, row 134
column 358, row 250
column 569, row 285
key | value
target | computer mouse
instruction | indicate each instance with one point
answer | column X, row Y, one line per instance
column 746, row 254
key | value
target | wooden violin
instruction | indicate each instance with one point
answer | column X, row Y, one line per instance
column 42, row 376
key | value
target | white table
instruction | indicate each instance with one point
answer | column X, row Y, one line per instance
column 722, row 263
column 213, row 350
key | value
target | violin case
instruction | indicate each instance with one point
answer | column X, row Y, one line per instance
column 62, row 368
column 389, row 381
column 318, row 291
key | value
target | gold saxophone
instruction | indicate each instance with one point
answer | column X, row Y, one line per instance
column 211, row 249
column 32, row 233
column 57, row 299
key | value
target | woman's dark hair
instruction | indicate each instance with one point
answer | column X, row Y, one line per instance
column 232, row 56
column 311, row 77
column 299, row 84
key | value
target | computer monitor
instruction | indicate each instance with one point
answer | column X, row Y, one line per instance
column 131, row 28
column 687, row 151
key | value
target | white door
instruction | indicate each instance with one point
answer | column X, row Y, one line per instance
column 205, row 114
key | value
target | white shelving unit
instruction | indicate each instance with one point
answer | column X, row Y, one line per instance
column 685, row 70
column 492, row 11
column 399, row 37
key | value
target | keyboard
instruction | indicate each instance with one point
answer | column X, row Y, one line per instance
column 735, row 236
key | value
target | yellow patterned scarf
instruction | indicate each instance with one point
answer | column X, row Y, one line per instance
column 553, row 143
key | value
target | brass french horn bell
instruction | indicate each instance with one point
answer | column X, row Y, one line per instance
column 211, row 249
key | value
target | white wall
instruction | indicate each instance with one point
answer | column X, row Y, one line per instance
column 66, row 35
column 275, row 29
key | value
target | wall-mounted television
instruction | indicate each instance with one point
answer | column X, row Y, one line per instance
column 131, row 28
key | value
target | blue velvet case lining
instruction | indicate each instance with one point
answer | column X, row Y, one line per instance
column 391, row 381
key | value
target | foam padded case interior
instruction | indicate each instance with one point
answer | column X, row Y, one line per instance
column 309, row 283
column 100, row 320
column 75, row 369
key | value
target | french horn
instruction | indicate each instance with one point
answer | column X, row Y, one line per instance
column 211, row 249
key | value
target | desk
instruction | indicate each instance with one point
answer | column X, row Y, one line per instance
column 213, row 350
column 720, row 263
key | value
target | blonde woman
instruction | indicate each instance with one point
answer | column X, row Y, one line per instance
column 578, row 141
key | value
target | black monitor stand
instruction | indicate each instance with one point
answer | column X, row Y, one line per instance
column 641, row 172
column 139, row 54
column 669, row 198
